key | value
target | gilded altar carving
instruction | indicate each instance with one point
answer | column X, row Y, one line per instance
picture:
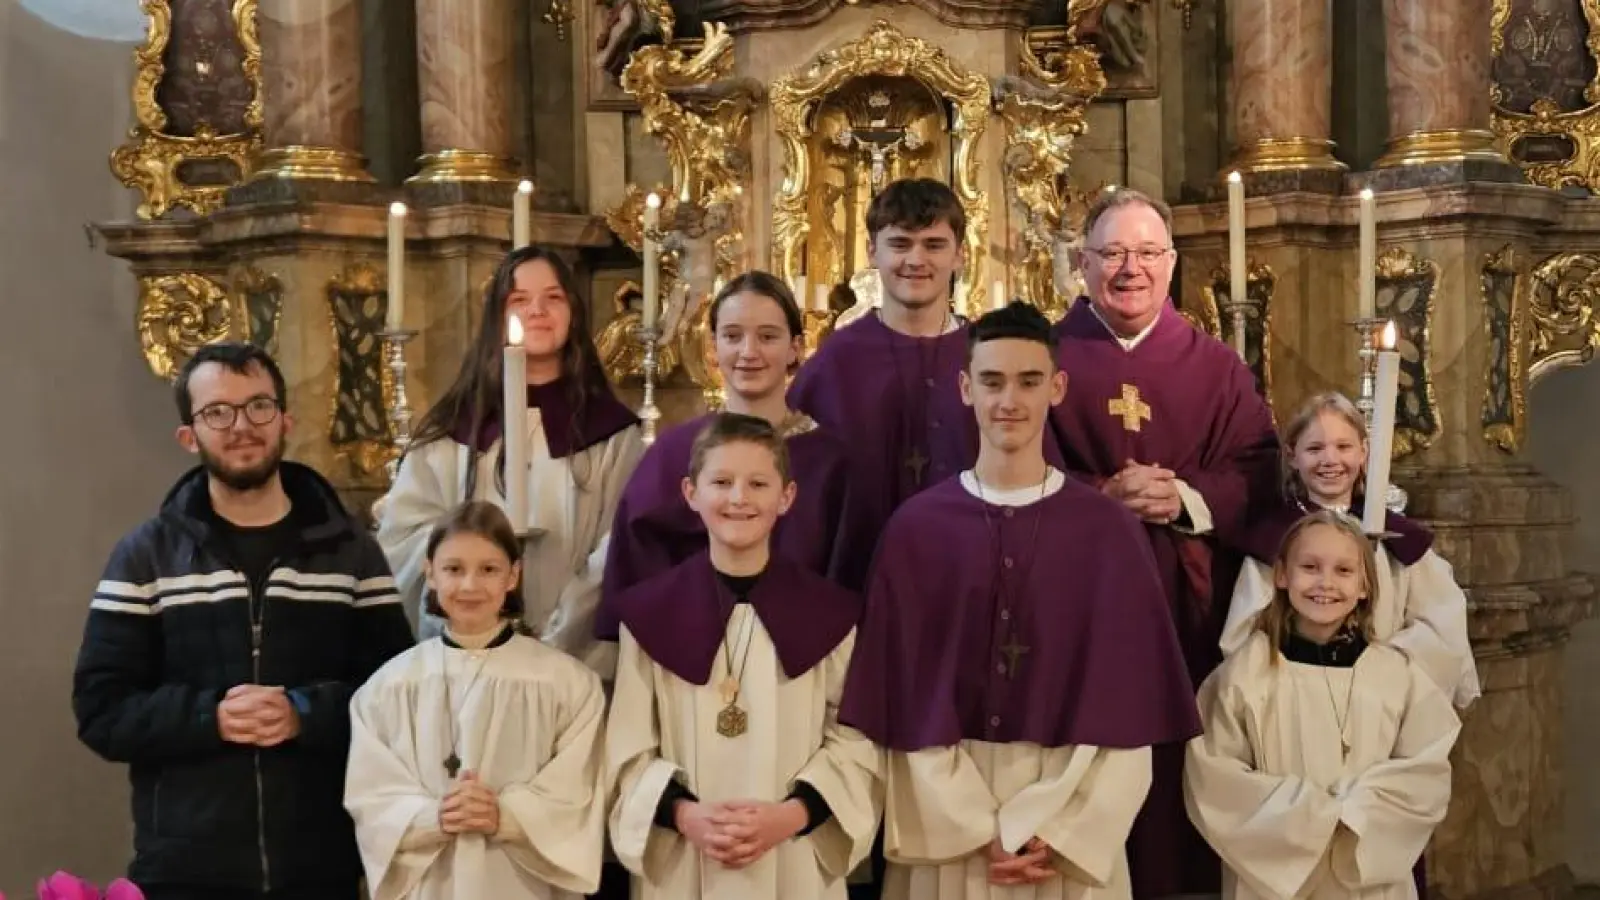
column 1215, row 318
column 1406, row 285
column 164, row 166
column 1546, row 89
column 1562, row 294
column 883, row 51
column 621, row 350
column 358, row 419
column 178, row 313
column 259, row 307
column 1504, row 417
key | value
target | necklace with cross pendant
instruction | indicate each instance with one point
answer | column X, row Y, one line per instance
column 916, row 461
column 1013, row 652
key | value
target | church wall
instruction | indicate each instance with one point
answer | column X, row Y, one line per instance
column 1562, row 436
column 89, row 451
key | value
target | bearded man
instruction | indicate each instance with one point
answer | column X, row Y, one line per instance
column 221, row 649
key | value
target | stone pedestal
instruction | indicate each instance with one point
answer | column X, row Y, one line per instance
column 1437, row 62
column 465, row 77
column 1282, row 87
column 311, row 89
column 1499, row 523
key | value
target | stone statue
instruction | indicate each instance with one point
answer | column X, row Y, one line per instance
column 1118, row 29
column 614, row 39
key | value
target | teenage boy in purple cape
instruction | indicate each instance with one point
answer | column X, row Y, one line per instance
column 1167, row 421
column 1017, row 659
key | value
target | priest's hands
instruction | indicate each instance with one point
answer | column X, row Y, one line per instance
column 471, row 807
column 257, row 716
column 703, row 824
column 758, row 827
column 1150, row 492
column 1031, row 866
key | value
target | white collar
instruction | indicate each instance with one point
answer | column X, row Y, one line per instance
column 1127, row 343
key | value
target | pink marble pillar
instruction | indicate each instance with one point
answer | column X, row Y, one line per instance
column 464, row 74
column 1438, row 70
column 1282, row 85
column 311, row 89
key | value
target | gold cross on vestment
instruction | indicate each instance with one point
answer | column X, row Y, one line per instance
column 1129, row 408
column 1013, row 652
column 916, row 462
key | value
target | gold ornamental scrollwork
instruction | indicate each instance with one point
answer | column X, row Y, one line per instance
column 1406, row 286
column 1504, row 414
column 358, row 419
column 883, row 50
column 152, row 160
column 1562, row 297
column 179, row 313
column 1577, row 129
column 1214, row 317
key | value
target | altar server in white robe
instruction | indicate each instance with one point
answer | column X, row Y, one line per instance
column 1418, row 609
column 732, row 778
column 581, row 442
column 476, row 764
column 1324, row 766
column 1017, row 660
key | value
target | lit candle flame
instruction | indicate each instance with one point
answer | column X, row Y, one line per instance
column 514, row 331
column 397, row 209
column 1390, row 336
column 1235, row 177
column 653, row 201
column 525, row 187
column 1366, row 193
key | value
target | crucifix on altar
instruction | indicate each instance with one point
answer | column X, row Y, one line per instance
column 878, row 139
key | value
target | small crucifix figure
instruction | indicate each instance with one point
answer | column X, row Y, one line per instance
column 916, row 461
column 1129, row 408
column 1013, row 652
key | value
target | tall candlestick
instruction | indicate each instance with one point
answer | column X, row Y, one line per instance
column 522, row 215
column 1367, row 286
column 1380, row 440
column 395, row 313
column 1238, row 283
column 997, row 294
column 514, row 425
column 652, row 261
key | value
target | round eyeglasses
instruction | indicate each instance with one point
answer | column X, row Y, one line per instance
column 220, row 416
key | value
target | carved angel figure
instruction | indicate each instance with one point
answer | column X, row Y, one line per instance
column 1118, row 30
column 623, row 23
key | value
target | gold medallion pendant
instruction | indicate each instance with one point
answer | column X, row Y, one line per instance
column 732, row 721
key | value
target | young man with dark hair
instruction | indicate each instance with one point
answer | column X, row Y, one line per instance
column 222, row 646
column 1016, row 661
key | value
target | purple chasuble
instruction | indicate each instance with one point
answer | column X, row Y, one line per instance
column 680, row 617
column 1181, row 400
column 897, row 400
column 655, row 529
column 603, row 416
column 1407, row 540
column 1042, row 624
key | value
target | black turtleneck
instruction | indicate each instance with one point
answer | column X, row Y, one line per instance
column 740, row 585
column 1339, row 653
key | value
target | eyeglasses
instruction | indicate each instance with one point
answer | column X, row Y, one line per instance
column 258, row 411
column 1115, row 257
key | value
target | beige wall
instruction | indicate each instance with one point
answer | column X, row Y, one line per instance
column 87, row 450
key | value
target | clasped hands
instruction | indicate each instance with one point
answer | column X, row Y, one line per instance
column 257, row 715
column 739, row 832
column 1150, row 492
column 1029, row 866
column 470, row 807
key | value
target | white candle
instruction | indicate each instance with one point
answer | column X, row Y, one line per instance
column 1367, row 287
column 997, row 294
column 395, row 313
column 822, row 298
column 799, row 289
column 514, row 425
column 1380, row 442
column 652, row 261
column 1238, row 284
column 522, row 215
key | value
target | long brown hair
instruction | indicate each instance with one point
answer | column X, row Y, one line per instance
column 474, row 398
column 485, row 520
column 1333, row 403
column 1277, row 620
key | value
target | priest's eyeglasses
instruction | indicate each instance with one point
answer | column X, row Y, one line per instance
column 1114, row 258
column 258, row 411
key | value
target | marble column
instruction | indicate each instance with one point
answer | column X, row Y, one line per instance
column 464, row 74
column 1437, row 62
column 311, row 89
column 1282, row 86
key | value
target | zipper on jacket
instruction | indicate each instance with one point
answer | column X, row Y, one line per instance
column 155, row 807
column 257, row 621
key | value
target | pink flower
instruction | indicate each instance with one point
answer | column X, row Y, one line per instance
column 66, row 886
column 121, row 889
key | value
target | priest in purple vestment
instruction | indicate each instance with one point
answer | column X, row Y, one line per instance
column 1017, row 659
column 888, row 382
column 1167, row 421
column 759, row 338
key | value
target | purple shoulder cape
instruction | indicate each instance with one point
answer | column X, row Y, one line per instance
column 679, row 617
column 603, row 416
column 1408, row 542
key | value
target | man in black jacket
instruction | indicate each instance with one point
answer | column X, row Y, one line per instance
column 222, row 646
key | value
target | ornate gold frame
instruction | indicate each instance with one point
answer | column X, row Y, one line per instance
column 149, row 162
column 1561, row 297
column 1395, row 266
column 1581, row 127
column 1506, row 435
column 249, row 283
column 883, row 50
column 366, row 455
column 1261, row 284
column 178, row 313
